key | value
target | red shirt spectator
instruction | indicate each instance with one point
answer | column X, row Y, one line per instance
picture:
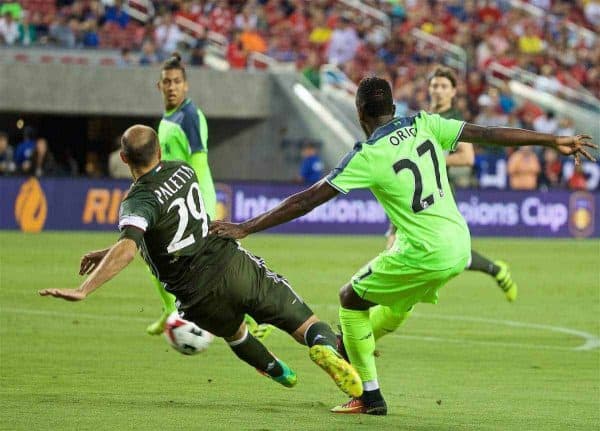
column 577, row 180
column 236, row 55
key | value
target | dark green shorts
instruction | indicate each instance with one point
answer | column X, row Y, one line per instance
column 247, row 286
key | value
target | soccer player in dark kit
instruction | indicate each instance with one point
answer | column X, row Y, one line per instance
column 216, row 282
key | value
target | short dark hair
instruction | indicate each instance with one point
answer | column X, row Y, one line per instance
column 444, row 72
column 374, row 97
column 141, row 148
column 174, row 62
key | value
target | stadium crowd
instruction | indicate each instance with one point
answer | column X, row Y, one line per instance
column 310, row 34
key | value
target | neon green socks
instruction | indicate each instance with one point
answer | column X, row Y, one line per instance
column 359, row 342
column 384, row 320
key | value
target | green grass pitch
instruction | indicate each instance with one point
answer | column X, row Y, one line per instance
column 471, row 362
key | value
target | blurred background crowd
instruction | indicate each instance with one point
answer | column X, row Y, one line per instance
column 555, row 47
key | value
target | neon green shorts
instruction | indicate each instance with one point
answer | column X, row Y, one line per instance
column 386, row 280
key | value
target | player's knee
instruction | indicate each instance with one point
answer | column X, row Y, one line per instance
column 347, row 296
column 350, row 299
column 299, row 333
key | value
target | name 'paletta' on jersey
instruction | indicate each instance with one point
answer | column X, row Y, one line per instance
column 171, row 186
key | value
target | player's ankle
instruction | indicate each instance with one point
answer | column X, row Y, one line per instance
column 373, row 396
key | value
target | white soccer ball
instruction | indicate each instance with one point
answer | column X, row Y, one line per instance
column 185, row 336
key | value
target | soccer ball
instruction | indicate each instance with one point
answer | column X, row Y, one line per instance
column 185, row 336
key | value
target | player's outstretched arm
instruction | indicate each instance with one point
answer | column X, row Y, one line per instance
column 117, row 258
column 508, row 137
column 90, row 260
column 291, row 208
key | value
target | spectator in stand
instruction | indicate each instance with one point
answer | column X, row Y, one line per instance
column 311, row 166
column 116, row 14
column 530, row 42
column 93, row 168
column 61, row 32
column 149, row 56
column 577, row 182
column 27, row 31
column 311, row 69
column 551, row 175
column 236, row 54
column 320, row 34
column 547, row 81
column 546, row 123
column 344, row 43
column 42, row 162
column 523, row 169
column 247, row 18
column 42, row 30
column 506, row 101
column 24, row 150
column 7, row 164
column 252, row 41
column 125, row 60
column 565, row 127
column 9, row 29
column 116, row 167
column 167, row 34
column 281, row 49
column 90, row 38
column 198, row 52
column 592, row 12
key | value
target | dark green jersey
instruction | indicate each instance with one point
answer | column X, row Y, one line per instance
column 452, row 114
column 164, row 214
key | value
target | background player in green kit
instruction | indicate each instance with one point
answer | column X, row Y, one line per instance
column 183, row 135
column 442, row 89
column 215, row 281
column 402, row 163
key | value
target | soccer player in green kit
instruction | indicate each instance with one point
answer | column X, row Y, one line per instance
column 442, row 89
column 216, row 282
column 183, row 135
column 402, row 163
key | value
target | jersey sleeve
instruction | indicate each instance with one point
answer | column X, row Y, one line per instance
column 191, row 129
column 353, row 172
column 445, row 131
column 138, row 213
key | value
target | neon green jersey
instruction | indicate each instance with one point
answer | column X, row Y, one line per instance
column 182, row 132
column 183, row 136
column 403, row 165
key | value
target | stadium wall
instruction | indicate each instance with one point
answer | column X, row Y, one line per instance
column 246, row 111
column 33, row 205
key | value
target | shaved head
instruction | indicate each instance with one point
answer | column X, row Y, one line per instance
column 140, row 147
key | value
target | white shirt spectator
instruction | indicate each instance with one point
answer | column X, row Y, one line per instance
column 592, row 12
column 343, row 45
column 548, row 84
column 116, row 167
column 545, row 124
column 9, row 30
column 167, row 35
column 543, row 4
